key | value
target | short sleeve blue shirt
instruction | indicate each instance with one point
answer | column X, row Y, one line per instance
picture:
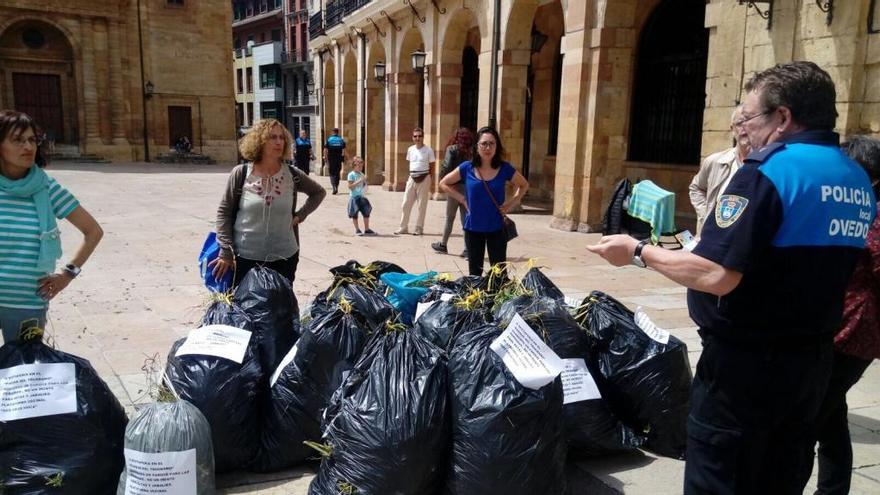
column 483, row 215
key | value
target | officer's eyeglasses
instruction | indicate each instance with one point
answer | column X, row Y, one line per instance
column 742, row 121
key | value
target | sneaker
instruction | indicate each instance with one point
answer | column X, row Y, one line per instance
column 418, row 231
column 358, row 232
column 370, row 232
column 439, row 247
column 401, row 232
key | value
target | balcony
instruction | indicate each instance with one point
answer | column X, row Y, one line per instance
column 295, row 57
column 316, row 26
column 341, row 8
column 257, row 16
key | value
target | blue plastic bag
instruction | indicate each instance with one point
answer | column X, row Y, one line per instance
column 210, row 252
column 404, row 293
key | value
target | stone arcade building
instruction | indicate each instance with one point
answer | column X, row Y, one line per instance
column 77, row 66
column 587, row 91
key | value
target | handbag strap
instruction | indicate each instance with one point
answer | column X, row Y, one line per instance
column 489, row 191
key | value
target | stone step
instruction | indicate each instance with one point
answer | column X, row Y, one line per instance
column 184, row 158
column 76, row 157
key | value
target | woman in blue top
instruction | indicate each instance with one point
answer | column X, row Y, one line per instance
column 30, row 244
column 485, row 178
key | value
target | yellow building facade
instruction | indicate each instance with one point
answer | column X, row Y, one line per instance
column 584, row 92
column 122, row 79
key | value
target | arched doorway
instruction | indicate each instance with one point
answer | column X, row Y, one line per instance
column 670, row 82
column 470, row 88
column 37, row 62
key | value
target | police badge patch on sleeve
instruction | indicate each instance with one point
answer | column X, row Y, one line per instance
column 729, row 208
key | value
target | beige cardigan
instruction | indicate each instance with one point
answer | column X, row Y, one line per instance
column 706, row 185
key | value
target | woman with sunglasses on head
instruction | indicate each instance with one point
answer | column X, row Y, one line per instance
column 31, row 202
column 484, row 178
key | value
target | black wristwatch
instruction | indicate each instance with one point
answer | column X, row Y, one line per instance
column 637, row 255
column 72, row 270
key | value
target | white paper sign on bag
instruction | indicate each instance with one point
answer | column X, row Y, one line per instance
column 446, row 296
column 577, row 382
column 650, row 329
column 532, row 363
column 222, row 341
column 288, row 358
column 34, row 390
column 166, row 473
column 421, row 308
column 573, row 302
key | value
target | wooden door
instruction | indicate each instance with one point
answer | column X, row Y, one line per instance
column 179, row 124
column 39, row 95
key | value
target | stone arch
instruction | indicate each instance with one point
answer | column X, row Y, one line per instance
column 458, row 85
column 375, row 95
column 348, row 101
column 40, row 55
column 542, row 105
column 668, row 98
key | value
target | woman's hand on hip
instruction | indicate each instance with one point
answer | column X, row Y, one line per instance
column 50, row 285
column 220, row 266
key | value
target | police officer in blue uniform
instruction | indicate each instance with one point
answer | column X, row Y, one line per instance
column 766, row 287
column 334, row 150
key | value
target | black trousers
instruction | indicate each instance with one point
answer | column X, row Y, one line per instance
column 832, row 426
column 477, row 243
column 334, row 168
column 286, row 267
column 752, row 412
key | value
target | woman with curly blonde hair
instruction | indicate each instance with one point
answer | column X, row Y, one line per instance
column 257, row 221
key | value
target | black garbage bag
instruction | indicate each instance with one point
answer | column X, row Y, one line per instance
column 267, row 298
column 540, row 285
column 76, row 452
column 647, row 383
column 591, row 429
column 175, row 426
column 227, row 393
column 354, row 270
column 506, row 438
column 369, row 306
column 388, row 426
column 443, row 321
column 328, row 349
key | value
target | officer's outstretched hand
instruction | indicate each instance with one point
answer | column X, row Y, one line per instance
column 616, row 249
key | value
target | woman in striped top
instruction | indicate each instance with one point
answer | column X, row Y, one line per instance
column 30, row 244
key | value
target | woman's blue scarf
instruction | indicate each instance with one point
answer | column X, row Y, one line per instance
column 35, row 185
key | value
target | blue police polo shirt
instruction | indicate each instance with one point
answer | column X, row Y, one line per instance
column 335, row 145
column 793, row 221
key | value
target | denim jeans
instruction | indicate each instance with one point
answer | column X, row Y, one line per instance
column 12, row 320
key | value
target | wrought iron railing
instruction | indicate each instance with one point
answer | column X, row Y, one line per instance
column 316, row 25
column 341, row 8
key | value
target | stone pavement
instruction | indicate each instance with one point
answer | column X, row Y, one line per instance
column 141, row 291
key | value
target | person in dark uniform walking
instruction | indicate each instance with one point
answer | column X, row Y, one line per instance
column 766, row 283
column 302, row 153
column 334, row 150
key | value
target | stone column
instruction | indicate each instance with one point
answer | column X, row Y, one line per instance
column 406, row 98
column 119, row 107
column 90, row 135
column 513, row 81
column 102, row 78
column 447, row 109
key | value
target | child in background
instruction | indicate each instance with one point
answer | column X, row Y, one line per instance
column 357, row 202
